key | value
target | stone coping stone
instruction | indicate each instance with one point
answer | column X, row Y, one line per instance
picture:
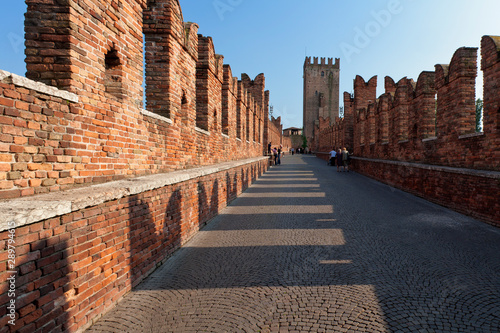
column 9, row 78
column 440, row 168
column 28, row 210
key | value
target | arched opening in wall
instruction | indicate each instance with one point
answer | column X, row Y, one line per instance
column 184, row 106
column 479, row 96
column 113, row 74
column 184, row 100
column 216, row 120
column 322, row 74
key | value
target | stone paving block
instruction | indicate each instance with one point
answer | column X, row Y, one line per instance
column 377, row 260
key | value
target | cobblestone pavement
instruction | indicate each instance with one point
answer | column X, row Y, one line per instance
column 307, row 249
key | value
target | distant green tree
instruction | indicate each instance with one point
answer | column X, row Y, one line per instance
column 479, row 115
column 304, row 142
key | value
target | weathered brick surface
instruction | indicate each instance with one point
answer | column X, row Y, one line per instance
column 199, row 114
column 321, row 96
column 77, row 120
column 72, row 268
column 275, row 135
column 430, row 122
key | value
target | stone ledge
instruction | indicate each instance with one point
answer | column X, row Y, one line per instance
column 24, row 211
column 156, row 116
column 9, row 78
column 471, row 135
column 431, row 138
column 202, row 131
column 462, row 171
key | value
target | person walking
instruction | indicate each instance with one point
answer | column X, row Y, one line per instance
column 333, row 154
column 279, row 155
column 339, row 160
column 345, row 159
column 275, row 153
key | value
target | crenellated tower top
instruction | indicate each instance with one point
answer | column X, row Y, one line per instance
column 316, row 61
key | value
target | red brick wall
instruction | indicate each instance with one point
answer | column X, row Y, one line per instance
column 78, row 120
column 74, row 267
column 51, row 143
column 275, row 133
column 340, row 133
column 409, row 127
column 459, row 189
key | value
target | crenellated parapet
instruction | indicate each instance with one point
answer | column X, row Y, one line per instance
column 331, row 62
column 79, row 120
column 456, row 91
column 364, row 92
column 421, row 136
column 432, row 120
column 209, row 82
column 208, row 59
column 195, row 110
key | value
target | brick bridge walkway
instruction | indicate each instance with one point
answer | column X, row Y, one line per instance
column 307, row 249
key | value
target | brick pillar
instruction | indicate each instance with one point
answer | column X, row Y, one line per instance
column 402, row 99
column 266, row 120
column 209, row 80
column 171, row 56
column 490, row 51
column 364, row 92
column 86, row 46
column 455, row 84
column 383, row 118
column 348, row 123
column 424, row 108
column 229, row 102
column 49, row 44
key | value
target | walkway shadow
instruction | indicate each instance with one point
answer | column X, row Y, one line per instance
column 348, row 249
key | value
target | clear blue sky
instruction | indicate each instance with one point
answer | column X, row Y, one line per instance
column 371, row 37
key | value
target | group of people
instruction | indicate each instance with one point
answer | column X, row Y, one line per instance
column 340, row 158
column 298, row 151
column 276, row 152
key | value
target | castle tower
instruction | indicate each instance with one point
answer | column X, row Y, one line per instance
column 321, row 95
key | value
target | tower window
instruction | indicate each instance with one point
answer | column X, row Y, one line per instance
column 322, row 74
